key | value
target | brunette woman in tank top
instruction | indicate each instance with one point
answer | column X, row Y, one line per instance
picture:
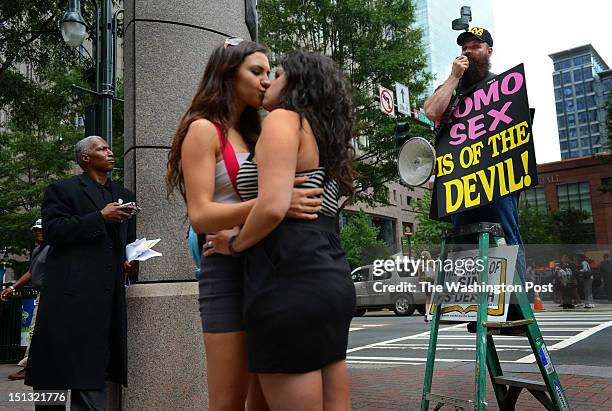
column 213, row 138
column 299, row 296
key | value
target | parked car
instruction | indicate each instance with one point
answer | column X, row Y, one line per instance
column 373, row 291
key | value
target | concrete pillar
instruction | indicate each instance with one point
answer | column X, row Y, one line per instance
column 167, row 44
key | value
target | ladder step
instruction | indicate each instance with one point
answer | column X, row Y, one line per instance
column 517, row 327
column 530, row 385
column 517, row 332
column 508, row 324
column 446, row 400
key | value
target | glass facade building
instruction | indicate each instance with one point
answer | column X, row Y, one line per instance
column 581, row 81
column 434, row 17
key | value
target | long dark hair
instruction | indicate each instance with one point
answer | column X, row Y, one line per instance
column 317, row 90
column 214, row 101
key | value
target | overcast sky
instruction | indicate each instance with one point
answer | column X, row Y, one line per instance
column 527, row 31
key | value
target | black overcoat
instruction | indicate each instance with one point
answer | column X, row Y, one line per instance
column 79, row 338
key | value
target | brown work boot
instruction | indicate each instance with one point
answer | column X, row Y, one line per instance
column 19, row 375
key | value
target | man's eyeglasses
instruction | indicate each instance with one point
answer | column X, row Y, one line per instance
column 232, row 41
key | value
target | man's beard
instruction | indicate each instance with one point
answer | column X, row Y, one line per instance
column 477, row 70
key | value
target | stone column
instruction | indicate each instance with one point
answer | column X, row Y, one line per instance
column 167, row 44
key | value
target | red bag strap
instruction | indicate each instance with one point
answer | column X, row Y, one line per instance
column 229, row 157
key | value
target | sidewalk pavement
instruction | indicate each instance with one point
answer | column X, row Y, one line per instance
column 400, row 387
column 600, row 305
column 7, row 387
column 392, row 387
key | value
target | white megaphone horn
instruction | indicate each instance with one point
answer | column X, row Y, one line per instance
column 416, row 161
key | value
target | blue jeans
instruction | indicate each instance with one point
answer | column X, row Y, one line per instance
column 505, row 212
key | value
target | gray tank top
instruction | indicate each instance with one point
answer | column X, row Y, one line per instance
column 224, row 191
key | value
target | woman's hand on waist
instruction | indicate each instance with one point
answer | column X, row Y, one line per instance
column 218, row 242
column 305, row 202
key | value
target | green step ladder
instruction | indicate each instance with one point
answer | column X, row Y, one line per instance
column 507, row 389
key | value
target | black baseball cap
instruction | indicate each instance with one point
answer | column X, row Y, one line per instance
column 477, row 32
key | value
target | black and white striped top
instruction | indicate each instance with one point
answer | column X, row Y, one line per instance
column 247, row 185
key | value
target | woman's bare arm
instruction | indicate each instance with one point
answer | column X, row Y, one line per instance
column 198, row 158
column 277, row 154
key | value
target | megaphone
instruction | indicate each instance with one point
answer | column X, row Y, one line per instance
column 416, row 161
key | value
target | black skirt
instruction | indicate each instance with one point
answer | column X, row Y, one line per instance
column 221, row 293
column 299, row 298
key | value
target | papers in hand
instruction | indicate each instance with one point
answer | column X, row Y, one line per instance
column 141, row 250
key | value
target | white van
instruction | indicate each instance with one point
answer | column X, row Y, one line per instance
column 387, row 290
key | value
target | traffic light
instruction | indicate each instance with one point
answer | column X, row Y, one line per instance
column 401, row 134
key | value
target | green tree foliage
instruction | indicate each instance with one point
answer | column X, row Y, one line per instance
column 570, row 226
column 360, row 241
column 37, row 140
column 567, row 226
column 537, row 226
column 427, row 231
column 375, row 43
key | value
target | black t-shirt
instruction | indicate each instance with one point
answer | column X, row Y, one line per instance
column 462, row 89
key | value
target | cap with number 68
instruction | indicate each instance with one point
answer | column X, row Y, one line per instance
column 478, row 33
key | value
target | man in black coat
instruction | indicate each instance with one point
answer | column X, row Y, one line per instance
column 80, row 337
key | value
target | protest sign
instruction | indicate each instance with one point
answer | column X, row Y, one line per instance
column 486, row 151
column 462, row 287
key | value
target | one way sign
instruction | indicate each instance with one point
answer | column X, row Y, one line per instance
column 403, row 102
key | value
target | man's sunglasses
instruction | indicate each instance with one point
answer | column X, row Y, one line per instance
column 232, row 41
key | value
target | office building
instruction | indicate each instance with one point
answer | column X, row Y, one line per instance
column 582, row 83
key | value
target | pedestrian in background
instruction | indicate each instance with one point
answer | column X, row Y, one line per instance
column 80, row 341
column 22, row 282
column 587, row 280
column 576, row 283
column 427, row 275
column 530, row 275
column 565, row 275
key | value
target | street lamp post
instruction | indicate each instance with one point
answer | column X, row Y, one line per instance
column 73, row 29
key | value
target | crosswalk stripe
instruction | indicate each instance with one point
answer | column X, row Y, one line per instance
column 450, row 346
column 456, row 348
column 384, row 362
column 363, row 347
column 412, row 359
column 553, row 328
column 459, row 330
column 577, row 322
column 569, row 341
column 496, row 337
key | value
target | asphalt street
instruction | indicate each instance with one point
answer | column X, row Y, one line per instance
column 572, row 338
